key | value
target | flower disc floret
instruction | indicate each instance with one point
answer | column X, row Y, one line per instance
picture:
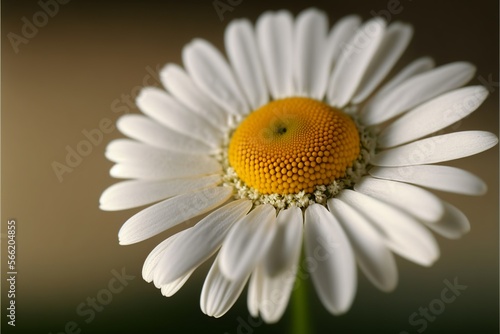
column 293, row 145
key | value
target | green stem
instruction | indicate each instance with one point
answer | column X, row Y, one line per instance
column 301, row 323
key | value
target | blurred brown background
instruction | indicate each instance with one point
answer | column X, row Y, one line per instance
column 88, row 60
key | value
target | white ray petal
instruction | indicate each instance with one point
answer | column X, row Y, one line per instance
column 310, row 40
column 453, row 225
column 417, row 90
column 443, row 178
column 404, row 235
column 196, row 244
column 148, row 131
column 165, row 109
column 353, row 62
column 275, row 41
column 334, row 275
column 276, row 293
column 138, row 160
column 164, row 215
column 255, row 291
column 340, row 34
column 418, row 66
column 342, row 31
column 436, row 149
column 433, row 116
column 414, row 200
column 242, row 51
column 182, row 87
column 134, row 193
column 372, row 255
column 285, row 247
column 149, row 267
column 212, row 74
column 247, row 241
column 219, row 293
column 169, row 289
column 280, row 265
column 396, row 38
column 127, row 150
column 166, row 170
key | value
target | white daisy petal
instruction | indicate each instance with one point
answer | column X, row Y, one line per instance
column 443, row 178
column 334, row 271
column 275, row 278
column 196, row 244
column 124, row 150
column 417, row 90
column 127, row 150
column 404, row 235
column 182, row 87
column 414, row 200
column 453, row 225
column 433, row 116
column 310, row 39
column 255, row 287
column 219, row 293
column 417, row 66
column 144, row 129
column 353, row 62
column 141, row 161
column 164, row 215
column 285, row 248
column 342, row 31
column 441, row 148
column 169, row 112
column 396, row 38
column 242, row 51
column 372, row 255
column 247, row 242
column 149, row 267
column 169, row 289
column 166, row 170
column 276, row 293
column 275, row 40
column 210, row 71
column 134, row 193
column 340, row 34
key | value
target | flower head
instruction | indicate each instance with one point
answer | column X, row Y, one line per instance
column 295, row 139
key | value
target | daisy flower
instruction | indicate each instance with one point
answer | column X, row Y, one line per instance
column 295, row 137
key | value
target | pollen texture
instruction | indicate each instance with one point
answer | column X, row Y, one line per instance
column 293, row 145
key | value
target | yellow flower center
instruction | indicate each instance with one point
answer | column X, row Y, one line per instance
column 292, row 145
